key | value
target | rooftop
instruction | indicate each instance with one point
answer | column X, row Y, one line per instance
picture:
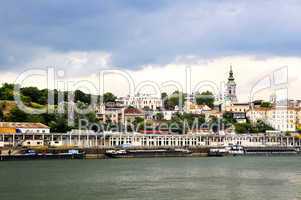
column 22, row 125
column 133, row 111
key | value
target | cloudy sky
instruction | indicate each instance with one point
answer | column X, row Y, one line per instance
column 152, row 40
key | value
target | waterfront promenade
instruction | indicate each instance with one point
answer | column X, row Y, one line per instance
column 111, row 140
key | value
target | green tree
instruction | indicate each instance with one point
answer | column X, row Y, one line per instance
column 175, row 99
column 1, row 114
column 258, row 127
column 187, row 121
column 242, row 128
column 43, row 97
column 138, row 123
column 266, row 104
column 109, row 97
column 205, row 98
column 228, row 118
column 32, row 92
column 7, row 92
column 59, row 124
column 80, row 96
column 261, row 127
column 17, row 115
column 159, row 116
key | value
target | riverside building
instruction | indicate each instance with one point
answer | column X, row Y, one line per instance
column 90, row 139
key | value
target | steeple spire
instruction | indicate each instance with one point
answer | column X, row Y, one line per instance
column 230, row 93
column 231, row 77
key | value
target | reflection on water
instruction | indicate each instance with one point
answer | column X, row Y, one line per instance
column 248, row 178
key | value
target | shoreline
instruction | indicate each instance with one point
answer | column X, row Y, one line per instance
column 95, row 153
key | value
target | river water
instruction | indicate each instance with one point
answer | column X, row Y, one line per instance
column 247, row 178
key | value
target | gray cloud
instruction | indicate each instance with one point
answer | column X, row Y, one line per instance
column 147, row 32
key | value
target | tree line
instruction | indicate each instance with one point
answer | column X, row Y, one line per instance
column 40, row 96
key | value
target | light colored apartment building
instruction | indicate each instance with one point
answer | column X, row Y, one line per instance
column 115, row 113
column 280, row 118
column 142, row 101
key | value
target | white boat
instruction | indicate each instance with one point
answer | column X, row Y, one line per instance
column 218, row 152
column 236, row 150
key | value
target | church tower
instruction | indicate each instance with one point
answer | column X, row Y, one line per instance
column 230, row 93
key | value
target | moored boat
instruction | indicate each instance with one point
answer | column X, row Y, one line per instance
column 270, row 150
column 32, row 155
column 218, row 152
column 147, row 153
column 236, row 150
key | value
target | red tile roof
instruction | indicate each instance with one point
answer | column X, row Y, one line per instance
column 133, row 111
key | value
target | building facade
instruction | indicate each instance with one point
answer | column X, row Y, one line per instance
column 193, row 108
column 194, row 140
column 118, row 114
column 113, row 113
column 165, row 114
column 83, row 139
column 281, row 119
column 142, row 101
column 237, row 107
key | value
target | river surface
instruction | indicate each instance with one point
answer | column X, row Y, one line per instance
column 247, row 178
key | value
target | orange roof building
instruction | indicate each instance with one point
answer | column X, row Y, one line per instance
column 23, row 127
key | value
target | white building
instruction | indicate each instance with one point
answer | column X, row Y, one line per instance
column 193, row 108
column 166, row 114
column 195, row 140
column 110, row 113
column 256, row 114
column 142, row 101
column 116, row 113
column 281, row 119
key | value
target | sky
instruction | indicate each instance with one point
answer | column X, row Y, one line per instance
column 152, row 40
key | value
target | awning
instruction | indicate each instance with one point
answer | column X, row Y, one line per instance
column 4, row 130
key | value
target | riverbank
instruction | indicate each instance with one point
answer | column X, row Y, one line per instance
column 107, row 153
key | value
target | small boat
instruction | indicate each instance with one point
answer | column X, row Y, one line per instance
column 218, row 152
column 236, row 150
